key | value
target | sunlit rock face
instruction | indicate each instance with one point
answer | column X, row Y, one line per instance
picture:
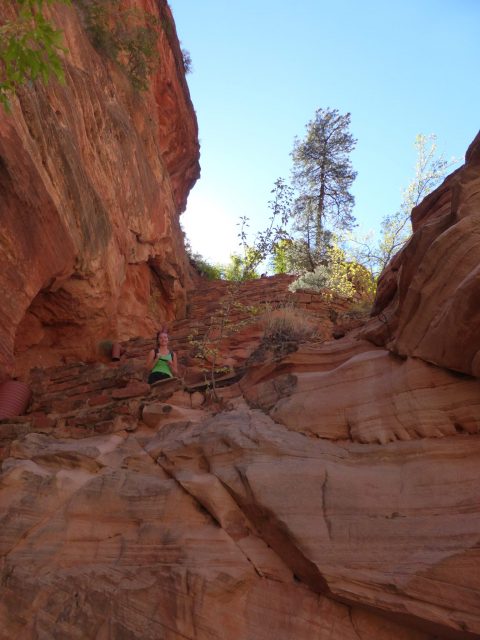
column 428, row 304
column 93, row 177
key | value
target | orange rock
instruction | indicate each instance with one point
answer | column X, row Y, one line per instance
column 132, row 390
column 192, row 553
column 377, row 397
column 157, row 414
column 94, row 177
column 428, row 302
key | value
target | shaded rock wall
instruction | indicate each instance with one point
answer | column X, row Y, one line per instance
column 93, row 177
column 428, row 304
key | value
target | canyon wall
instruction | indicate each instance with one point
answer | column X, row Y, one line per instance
column 93, row 177
column 428, row 302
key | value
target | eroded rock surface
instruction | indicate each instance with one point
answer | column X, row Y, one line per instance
column 93, row 177
column 366, row 394
column 181, row 535
column 429, row 296
column 129, row 511
column 334, row 496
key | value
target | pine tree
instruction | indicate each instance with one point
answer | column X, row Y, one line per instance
column 322, row 177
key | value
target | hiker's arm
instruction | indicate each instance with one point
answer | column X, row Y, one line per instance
column 174, row 364
column 150, row 359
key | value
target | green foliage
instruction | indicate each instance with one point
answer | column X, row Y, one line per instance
column 396, row 229
column 339, row 275
column 265, row 242
column 280, row 262
column 241, row 269
column 30, row 48
column 430, row 170
column 205, row 268
column 236, row 270
column 295, row 256
column 127, row 36
column 322, row 177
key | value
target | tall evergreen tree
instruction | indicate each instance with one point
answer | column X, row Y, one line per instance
column 322, row 176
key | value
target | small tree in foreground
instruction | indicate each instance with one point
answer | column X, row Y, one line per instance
column 266, row 242
column 242, row 268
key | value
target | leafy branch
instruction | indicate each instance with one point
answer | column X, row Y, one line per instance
column 30, row 48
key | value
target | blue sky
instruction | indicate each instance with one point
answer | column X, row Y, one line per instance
column 262, row 67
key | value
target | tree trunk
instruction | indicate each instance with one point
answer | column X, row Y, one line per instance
column 320, row 209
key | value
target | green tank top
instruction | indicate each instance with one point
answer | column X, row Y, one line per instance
column 161, row 365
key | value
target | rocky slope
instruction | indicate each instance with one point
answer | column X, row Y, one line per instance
column 93, row 176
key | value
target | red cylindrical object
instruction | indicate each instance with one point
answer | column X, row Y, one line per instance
column 14, row 398
column 116, row 351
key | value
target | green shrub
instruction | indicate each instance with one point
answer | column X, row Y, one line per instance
column 241, row 269
column 344, row 277
column 205, row 268
column 127, row 36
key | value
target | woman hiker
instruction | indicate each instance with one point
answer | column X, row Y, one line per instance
column 161, row 362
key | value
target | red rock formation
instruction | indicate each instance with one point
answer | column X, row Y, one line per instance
column 93, row 176
column 353, row 516
column 364, row 394
column 342, row 504
column 429, row 297
column 121, row 543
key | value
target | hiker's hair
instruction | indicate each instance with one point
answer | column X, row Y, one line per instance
column 164, row 329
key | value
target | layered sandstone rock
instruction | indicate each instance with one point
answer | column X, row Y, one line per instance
column 93, row 176
column 337, row 501
column 353, row 514
column 428, row 303
column 131, row 535
column 364, row 394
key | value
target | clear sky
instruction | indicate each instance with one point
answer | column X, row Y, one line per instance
column 262, row 67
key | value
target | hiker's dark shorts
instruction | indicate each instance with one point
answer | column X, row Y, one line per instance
column 158, row 375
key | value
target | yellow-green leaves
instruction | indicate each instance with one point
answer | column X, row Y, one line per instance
column 30, row 48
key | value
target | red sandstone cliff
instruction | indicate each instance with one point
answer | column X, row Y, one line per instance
column 93, row 177
column 428, row 302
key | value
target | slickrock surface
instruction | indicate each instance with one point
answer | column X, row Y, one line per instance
column 368, row 395
column 429, row 297
column 106, row 538
column 131, row 511
column 93, row 176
